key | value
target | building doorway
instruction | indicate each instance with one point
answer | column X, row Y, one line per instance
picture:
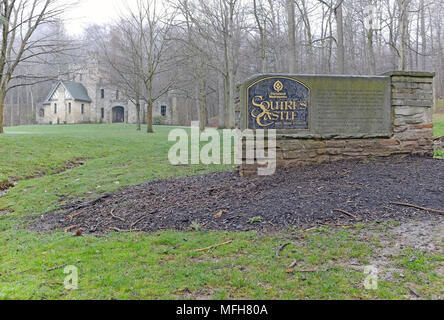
column 118, row 115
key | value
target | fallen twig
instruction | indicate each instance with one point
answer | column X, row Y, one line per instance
column 70, row 228
column 137, row 222
column 55, row 268
column 120, row 230
column 311, row 271
column 346, row 213
column 74, row 215
column 293, row 264
column 278, row 251
column 214, row 246
column 417, row 207
column 116, row 217
column 414, row 292
column 305, row 271
column 220, row 213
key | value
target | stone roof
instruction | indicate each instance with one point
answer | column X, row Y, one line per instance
column 77, row 91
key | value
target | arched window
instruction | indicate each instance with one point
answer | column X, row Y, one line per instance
column 42, row 113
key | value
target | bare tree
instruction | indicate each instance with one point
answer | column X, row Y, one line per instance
column 218, row 25
column 196, row 42
column 121, row 49
column 229, row 13
column 21, row 20
column 153, row 27
column 337, row 9
column 304, row 11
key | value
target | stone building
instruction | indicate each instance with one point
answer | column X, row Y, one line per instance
column 87, row 98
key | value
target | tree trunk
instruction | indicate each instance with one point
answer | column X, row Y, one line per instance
column 231, row 111
column 262, row 35
column 19, row 108
column 403, row 23
column 34, row 116
column 310, row 49
column 340, row 35
column 138, row 120
column 139, row 128
column 196, row 98
column 221, row 102
column 275, row 24
column 149, row 116
column 423, row 37
column 263, row 53
column 11, row 110
column 227, row 100
column 371, row 51
column 440, row 86
column 391, row 42
column 231, row 67
column 291, row 35
column 330, row 45
column 2, row 109
column 1, row 116
column 203, row 116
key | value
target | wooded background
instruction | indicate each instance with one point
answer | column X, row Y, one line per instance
column 200, row 49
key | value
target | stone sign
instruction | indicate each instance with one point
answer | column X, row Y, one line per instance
column 334, row 118
column 318, row 106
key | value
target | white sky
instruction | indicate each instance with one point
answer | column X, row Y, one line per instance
column 94, row 12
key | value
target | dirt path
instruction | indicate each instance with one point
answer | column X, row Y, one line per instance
column 420, row 236
column 337, row 194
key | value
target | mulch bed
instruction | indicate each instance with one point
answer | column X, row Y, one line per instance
column 338, row 194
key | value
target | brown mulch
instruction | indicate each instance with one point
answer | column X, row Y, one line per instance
column 342, row 193
column 5, row 185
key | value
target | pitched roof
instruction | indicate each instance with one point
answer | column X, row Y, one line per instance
column 77, row 91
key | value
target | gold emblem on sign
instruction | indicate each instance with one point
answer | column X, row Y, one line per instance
column 278, row 86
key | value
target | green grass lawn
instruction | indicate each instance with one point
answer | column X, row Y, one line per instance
column 439, row 131
column 116, row 156
column 439, row 124
column 165, row 265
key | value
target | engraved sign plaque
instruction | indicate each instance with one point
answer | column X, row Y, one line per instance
column 278, row 103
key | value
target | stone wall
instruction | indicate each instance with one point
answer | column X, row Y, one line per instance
column 412, row 130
